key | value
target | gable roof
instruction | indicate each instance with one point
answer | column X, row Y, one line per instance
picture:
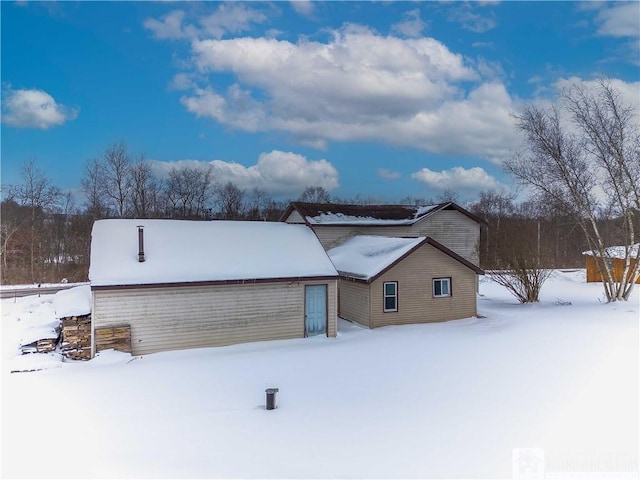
column 366, row 257
column 181, row 251
column 318, row 214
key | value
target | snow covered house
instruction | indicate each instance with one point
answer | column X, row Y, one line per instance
column 615, row 256
column 182, row 284
column 447, row 223
column 394, row 281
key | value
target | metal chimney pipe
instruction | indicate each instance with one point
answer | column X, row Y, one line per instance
column 140, row 243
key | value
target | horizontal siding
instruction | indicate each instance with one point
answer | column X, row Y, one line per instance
column 454, row 230
column 188, row 317
column 332, row 309
column 354, row 301
column 295, row 217
column 415, row 297
column 449, row 227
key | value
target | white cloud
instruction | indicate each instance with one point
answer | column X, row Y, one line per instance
column 482, row 44
column 620, row 20
column 170, row 27
column 458, row 179
column 359, row 86
column 629, row 91
column 230, row 18
column 412, row 26
column 388, row 174
column 303, row 7
column 227, row 18
column 469, row 20
column 236, row 108
column 32, row 108
column 489, row 69
column 277, row 172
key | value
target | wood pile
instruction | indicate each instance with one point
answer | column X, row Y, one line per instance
column 117, row 337
column 46, row 345
column 76, row 337
column 43, row 345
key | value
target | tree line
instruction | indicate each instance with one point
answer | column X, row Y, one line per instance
column 583, row 175
column 46, row 237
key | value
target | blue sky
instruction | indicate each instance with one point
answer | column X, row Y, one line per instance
column 383, row 99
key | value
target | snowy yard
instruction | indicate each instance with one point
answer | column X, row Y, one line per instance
column 446, row 400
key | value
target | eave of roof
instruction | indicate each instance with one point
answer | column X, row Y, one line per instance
column 251, row 281
column 378, row 215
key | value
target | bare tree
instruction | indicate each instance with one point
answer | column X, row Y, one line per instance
column 493, row 207
column 188, row 192
column 257, row 203
column 448, row 195
column 589, row 168
column 315, row 194
column 94, row 188
column 145, row 189
column 523, row 282
column 417, row 201
column 231, row 202
column 359, row 200
column 11, row 225
column 521, row 266
column 116, row 171
column 38, row 194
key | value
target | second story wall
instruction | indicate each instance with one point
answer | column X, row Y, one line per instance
column 449, row 227
column 454, row 230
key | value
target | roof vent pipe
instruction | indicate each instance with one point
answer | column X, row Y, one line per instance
column 140, row 243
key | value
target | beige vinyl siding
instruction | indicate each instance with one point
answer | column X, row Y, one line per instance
column 174, row 318
column 354, row 301
column 449, row 227
column 452, row 229
column 416, row 304
column 332, row 305
column 295, row 217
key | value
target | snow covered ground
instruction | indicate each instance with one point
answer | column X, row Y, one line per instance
column 448, row 400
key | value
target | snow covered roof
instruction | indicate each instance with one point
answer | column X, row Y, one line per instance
column 344, row 214
column 365, row 256
column 73, row 302
column 178, row 251
column 617, row 251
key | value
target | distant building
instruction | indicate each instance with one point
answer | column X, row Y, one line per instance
column 614, row 256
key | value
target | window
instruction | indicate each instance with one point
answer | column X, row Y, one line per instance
column 391, row 296
column 442, row 287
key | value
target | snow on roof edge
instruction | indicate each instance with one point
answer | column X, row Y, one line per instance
column 616, row 251
column 365, row 256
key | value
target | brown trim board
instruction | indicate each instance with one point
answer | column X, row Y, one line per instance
column 210, row 283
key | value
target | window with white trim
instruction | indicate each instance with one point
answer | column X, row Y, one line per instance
column 390, row 296
column 442, row 287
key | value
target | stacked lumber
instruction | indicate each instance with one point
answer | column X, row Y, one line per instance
column 46, row 345
column 76, row 337
column 117, row 337
column 43, row 345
